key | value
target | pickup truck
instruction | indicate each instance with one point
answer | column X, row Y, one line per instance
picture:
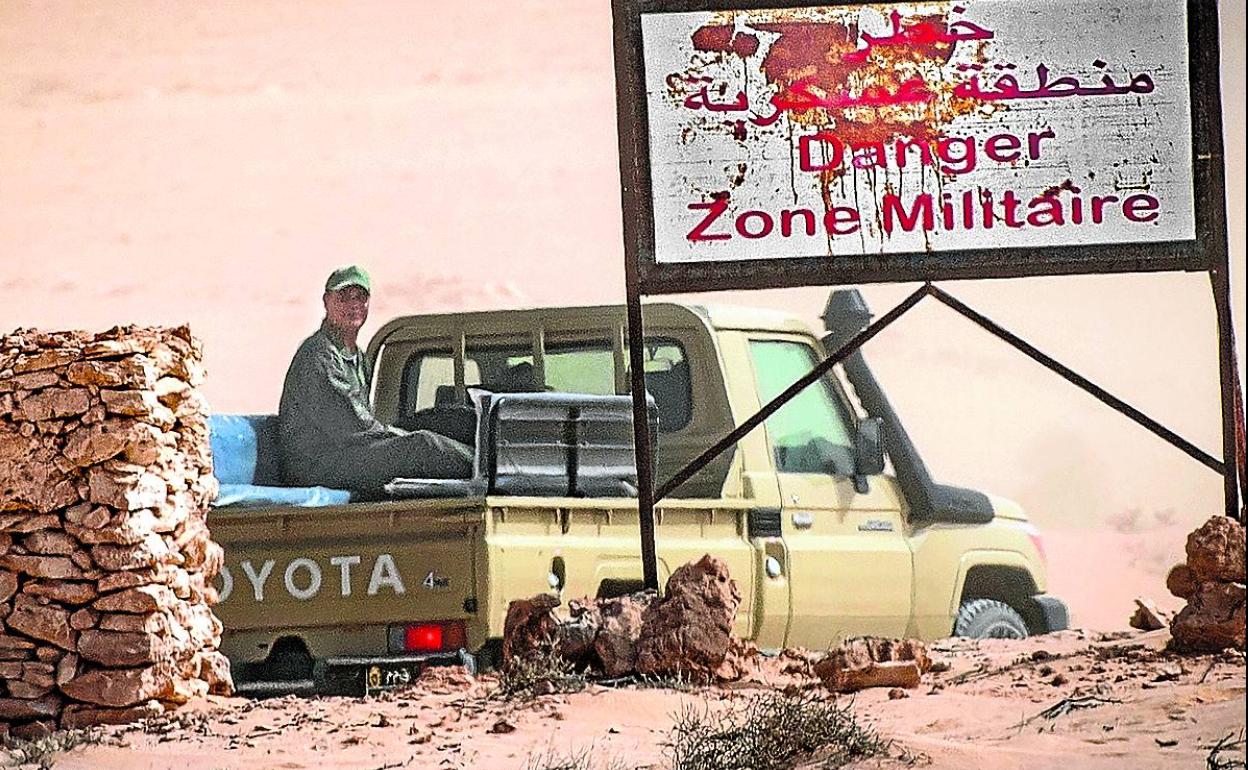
column 334, row 590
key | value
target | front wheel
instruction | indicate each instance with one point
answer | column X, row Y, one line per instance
column 989, row 619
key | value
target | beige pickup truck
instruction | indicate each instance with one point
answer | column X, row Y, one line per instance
column 333, row 590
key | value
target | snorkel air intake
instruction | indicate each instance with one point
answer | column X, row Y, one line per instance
column 846, row 315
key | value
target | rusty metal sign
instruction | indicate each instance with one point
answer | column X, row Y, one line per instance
column 800, row 144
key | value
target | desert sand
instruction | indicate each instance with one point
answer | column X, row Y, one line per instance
column 1069, row 700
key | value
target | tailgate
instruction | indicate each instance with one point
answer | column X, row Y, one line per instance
column 350, row 567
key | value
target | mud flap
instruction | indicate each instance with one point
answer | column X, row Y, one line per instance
column 1049, row 613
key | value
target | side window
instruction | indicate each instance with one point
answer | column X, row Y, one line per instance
column 811, row 433
column 503, row 369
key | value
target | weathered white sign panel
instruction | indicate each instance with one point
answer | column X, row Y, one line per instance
column 920, row 127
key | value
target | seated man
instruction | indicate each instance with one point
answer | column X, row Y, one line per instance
column 329, row 436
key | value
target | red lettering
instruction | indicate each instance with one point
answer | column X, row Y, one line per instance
column 1098, row 207
column 1045, row 210
column 761, row 216
column 1141, row 208
column 715, row 209
column 825, row 138
column 825, row 151
column 869, row 155
column 1003, row 148
column 893, row 210
column 901, row 148
column 1009, row 203
column 961, row 161
column 946, row 210
column 1033, row 141
column 841, row 220
column 786, row 221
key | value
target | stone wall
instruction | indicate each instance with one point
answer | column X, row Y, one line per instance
column 105, row 556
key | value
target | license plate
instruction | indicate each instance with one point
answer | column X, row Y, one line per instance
column 388, row 676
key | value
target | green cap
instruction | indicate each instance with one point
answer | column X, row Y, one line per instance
column 352, row 275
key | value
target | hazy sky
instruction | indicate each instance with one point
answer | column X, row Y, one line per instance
column 210, row 163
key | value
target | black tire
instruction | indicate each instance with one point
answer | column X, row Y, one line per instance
column 288, row 661
column 989, row 619
column 489, row 657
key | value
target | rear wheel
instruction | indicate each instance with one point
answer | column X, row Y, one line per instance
column 289, row 660
column 489, row 657
column 989, row 619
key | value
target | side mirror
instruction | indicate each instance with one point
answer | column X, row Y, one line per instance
column 868, row 450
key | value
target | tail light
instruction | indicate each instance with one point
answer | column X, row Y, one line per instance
column 1038, row 542
column 437, row 636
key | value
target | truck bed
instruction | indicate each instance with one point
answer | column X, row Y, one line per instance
column 338, row 577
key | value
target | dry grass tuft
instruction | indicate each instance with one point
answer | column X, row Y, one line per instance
column 771, row 731
column 579, row 760
column 43, row 752
column 542, row 673
column 1230, row 743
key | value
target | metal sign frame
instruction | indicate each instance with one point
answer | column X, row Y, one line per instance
column 645, row 276
column 1206, row 252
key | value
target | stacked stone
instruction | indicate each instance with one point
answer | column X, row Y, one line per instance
column 105, row 555
column 1212, row 582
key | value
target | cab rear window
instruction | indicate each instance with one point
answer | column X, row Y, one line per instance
column 429, row 376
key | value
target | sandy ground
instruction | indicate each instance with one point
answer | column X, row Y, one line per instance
column 999, row 705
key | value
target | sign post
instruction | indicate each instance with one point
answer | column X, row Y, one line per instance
column 771, row 143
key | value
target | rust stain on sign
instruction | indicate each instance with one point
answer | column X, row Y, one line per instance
column 724, row 39
column 888, row 92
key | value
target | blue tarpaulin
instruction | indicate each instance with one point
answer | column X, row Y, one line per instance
column 245, row 461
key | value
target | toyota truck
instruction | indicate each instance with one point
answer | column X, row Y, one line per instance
column 826, row 515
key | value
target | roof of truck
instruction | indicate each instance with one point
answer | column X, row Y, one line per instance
column 741, row 317
column 659, row 313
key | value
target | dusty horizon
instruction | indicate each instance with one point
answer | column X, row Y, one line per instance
column 210, row 165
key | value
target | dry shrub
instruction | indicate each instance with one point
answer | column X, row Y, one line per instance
column 1233, row 744
column 541, row 673
column 43, row 752
column 771, row 731
column 578, row 760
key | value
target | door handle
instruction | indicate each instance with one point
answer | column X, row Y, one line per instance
column 803, row 519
